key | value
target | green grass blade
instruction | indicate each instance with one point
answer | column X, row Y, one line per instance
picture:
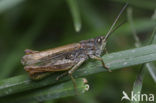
column 48, row 93
column 115, row 61
column 138, row 83
column 73, row 5
column 8, row 4
column 130, row 20
column 152, row 70
column 137, row 87
column 151, row 66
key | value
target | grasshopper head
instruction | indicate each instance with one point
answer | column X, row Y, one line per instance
column 100, row 44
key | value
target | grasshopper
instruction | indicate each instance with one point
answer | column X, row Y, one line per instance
column 66, row 58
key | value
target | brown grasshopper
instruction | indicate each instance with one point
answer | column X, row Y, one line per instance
column 65, row 58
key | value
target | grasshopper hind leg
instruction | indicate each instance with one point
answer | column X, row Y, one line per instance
column 72, row 70
column 38, row 76
column 72, row 78
column 61, row 75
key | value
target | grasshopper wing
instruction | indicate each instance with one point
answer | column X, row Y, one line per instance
column 36, row 57
column 50, row 67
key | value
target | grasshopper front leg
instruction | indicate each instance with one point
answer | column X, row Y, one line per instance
column 100, row 59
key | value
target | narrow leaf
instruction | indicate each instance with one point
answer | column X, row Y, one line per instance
column 151, row 66
column 137, row 87
column 73, row 5
column 114, row 61
column 152, row 70
column 8, row 4
column 138, row 84
column 48, row 93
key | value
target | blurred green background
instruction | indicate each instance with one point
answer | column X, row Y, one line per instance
column 44, row 24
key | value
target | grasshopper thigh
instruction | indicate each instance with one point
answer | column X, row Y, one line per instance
column 76, row 66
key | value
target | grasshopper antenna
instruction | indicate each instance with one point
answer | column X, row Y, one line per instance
column 115, row 28
column 110, row 30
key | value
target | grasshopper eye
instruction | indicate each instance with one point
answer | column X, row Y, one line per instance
column 99, row 40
